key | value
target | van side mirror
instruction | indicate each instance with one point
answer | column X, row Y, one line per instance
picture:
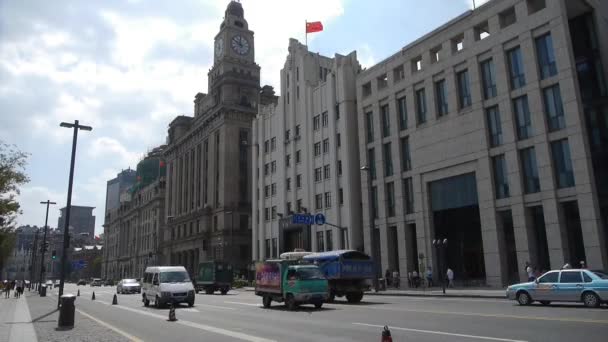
column 536, row 280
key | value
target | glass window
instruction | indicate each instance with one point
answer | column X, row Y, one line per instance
column 341, row 196
column 406, row 163
column 371, row 160
column 330, row 242
column 388, row 160
column 545, row 56
column 297, row 130
column 319, row 201
column 571, row 277
column 298, row 181
column 488, row 78
column 408, row 192
column 325, row 119
column 326, row 145
column 501, row 183
column 328, row 200
column 320, row 245
column 550, row 277
column 553, row 108
column 516, row 68
column 298, row 157
column 317, row 149
column 562, row 163
column 390, row 199
column 339, row 168
column 288, row 160
column 494, row 126
column 530, row 170
column 273, row 144
column 522, row 117
column 386, row 122
column 318, row 174
column 316, row 122
column 421, row 106
column 326, row 171
column 587, row 278
column 174, row 277
column 464, row 92
column 442, row 98
column 288, row 184
column 401, row 107
column 370, row 126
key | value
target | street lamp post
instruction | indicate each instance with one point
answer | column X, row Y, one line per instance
column 66, row 238
column 441, row 246
column 33, row 261
column 46, row 227
column 231, row 248
column 372, row 248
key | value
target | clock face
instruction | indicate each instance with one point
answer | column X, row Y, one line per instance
column 240, row 45
column 219, row 47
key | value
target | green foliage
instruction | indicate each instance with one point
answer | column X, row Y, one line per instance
column 12, row 175
column 239, row 283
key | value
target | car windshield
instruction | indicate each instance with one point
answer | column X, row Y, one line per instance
column 130, row 281
column 310, row 274
column 174, row 277
column 601, row 274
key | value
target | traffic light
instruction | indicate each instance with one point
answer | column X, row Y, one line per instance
column 44, row 247
column 54, row 255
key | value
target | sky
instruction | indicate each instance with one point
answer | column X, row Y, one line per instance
column 127, row 67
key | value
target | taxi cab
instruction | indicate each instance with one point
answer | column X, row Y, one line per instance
column 570, row 285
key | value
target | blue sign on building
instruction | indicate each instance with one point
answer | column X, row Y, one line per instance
column 320, row 219
column 308, row 219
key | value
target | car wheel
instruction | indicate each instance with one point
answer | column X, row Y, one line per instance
column 591, row 300
column 545, row 302
column 191, row 303
column 290, row 302
column 354, row 297
column 157, row 302
column 523, row 298
column 318, row 305
column 146, row 302
column 266, row 300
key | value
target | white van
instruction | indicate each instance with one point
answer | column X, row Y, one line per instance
column 165, row 284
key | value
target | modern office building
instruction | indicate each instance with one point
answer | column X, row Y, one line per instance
column 208, row 202
column 491, row 132
column 116, row 186
column 82, row 221
column 307, row 158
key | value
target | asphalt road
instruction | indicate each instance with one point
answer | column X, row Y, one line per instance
column 239, row 316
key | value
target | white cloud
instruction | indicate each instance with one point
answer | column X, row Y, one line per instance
column 112, row 151
column 34, row 212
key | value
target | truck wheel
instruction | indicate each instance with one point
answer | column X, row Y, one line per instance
column 196, row 291
column 224, row 291
column 209, row 291
column 318, row 305
column 290, row 302
column 332, row 297
column 266, row 300
column 354, row 297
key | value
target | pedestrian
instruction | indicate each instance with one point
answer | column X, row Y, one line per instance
column 429, row 277
column 387, row 277
column 18, row 286
column 450, row 275
column 583, row 265
column 7, row 289
column 415, row 278
column 530, row 271
column 409, row 279
column 396, row 279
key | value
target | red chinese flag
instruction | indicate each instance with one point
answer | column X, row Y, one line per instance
column 315, row 26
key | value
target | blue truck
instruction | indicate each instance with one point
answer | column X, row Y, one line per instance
column 348, row 272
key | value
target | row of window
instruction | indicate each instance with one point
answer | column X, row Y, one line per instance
column 547, row 67
column 457, row 44
column 408, row 198
column 564, row 173
column 387, row 157
column 271, row 212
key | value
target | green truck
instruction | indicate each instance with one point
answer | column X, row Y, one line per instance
column 214, row 276
column 290, row 282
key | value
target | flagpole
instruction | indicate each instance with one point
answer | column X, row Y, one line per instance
column 306, row 32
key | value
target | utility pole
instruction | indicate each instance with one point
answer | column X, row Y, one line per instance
column 33, row 261
column 372, row 248
column 46, row 227
column 66, row 236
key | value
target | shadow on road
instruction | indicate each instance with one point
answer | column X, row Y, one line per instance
column 43, row 316
column 344, row 302
column 309, row 309
column 562, row 305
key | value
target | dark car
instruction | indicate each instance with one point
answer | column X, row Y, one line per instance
column 81, row 282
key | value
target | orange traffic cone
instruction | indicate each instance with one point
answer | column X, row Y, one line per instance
column 78, row 294
column 172, row 317
column 386, row 335
column 114, row 300
column 93, row 296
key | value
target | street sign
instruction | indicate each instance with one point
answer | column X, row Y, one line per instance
column 319, row 219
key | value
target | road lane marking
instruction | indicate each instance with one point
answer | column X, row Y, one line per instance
column 442, row 333
column 190, row 310
column 215, row 306
column 111, row 327
column 209, row 328
column 242, row 303
column 477, row 314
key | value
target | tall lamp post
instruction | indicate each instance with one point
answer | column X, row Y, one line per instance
column 46, row 227
column 441, row 246
column 66, row 237
column 33, row 261
column 231, row 248
column 372, row 246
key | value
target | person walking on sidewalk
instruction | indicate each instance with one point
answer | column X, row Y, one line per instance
column 429, row 277
column 450, row 275
column 415, row 279
column 18, row 286
column 396, row 279
column 7, row 289
column 530, row 271
column 387, row 277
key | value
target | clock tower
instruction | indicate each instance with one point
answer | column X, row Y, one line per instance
column 234, row 79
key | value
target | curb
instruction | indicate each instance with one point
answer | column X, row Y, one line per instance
column 435, row 295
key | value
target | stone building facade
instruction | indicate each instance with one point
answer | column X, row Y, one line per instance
column 208, row 202
column 491, row 132
column 307, row 158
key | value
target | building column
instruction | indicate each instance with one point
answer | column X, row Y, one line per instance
column 521, row 230
column 555, row 232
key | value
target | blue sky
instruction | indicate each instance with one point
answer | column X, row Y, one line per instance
column 127, row 67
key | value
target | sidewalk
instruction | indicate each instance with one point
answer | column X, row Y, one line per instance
column 15, row 320
column 434, row 292
column 44, row 316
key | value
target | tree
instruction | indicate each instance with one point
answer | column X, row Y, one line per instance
column 12, row 176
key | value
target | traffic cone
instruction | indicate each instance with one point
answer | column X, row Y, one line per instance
column 386, row 335
column 172, row 314
column 78, row 294
column 114, row 300
column 93, row 296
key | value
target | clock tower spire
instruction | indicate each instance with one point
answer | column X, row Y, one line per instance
column 234, row 79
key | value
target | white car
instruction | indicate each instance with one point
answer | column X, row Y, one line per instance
column 167, row 284
column 128, row 286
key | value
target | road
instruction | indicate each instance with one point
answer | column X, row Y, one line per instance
column 239, row 316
